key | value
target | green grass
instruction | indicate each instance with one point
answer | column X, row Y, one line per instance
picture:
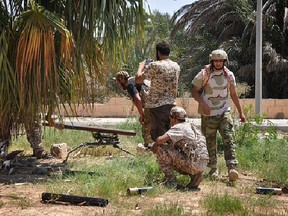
column 166, row 210
column 114, row 171
column 111, row 177
column 223, row 205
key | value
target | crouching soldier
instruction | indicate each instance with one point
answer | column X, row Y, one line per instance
column 183, row 149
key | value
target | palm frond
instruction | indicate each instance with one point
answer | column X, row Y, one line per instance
column 8, row 87
column 36, row 65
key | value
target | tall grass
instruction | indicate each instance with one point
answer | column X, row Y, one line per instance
column 262, row 152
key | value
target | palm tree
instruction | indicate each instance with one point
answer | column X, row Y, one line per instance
column 48, row 48
column 232, row 22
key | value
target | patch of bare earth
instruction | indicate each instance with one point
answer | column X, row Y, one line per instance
column 20, row 194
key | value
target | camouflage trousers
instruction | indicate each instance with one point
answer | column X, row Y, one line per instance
column 159, row 120
column 170, row 159
column 146, row 127
column 34, row 136
column 222, row 123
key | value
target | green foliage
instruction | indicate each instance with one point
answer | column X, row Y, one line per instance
column 223, row 204
column 166, row 210
column 55, row 52
column 262, row 151
column 248, row 133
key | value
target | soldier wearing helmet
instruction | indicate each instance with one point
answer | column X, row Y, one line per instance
column 212, row 87
column 137, row 93
column 186, row 152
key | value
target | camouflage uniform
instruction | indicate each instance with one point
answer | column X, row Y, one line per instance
column 34, row 137
column 187, row 154
column 146, row 127
column 164, row 76
column 216, row 96
column 145, row 88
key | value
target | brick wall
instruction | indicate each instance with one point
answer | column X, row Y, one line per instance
column 121, row 107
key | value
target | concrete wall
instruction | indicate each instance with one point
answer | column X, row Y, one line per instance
column 121, row 107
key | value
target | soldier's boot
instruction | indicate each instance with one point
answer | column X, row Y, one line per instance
column 233, row 175
column 40, row 153
column 170, row 179
column 195, row 181
column 213, row 173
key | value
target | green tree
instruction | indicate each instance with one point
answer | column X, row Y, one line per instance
column 49, row 48
column 232, row 25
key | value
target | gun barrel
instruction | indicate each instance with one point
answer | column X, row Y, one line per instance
column 76, row 126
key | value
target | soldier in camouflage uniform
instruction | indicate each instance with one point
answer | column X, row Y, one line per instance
column 34, row 137
column 186, row 152
column 216, row 82
column 138, row 93
column 163, row 75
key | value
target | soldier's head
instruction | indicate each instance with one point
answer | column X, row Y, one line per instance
column 162, row 50
column 177, row 114
column 218, row 58
column 122, row 79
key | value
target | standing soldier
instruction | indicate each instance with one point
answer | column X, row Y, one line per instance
column 138, row 93
column 216, row 82
column 163, row 74
column 34, row 137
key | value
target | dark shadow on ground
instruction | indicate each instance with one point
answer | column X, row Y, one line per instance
column 28, row 169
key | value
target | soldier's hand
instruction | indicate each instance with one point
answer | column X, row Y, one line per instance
column 243, row 117
column 154, row 148
column 141, row 119
column 206, row 109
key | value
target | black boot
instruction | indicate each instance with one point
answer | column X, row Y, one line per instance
column 195, row 181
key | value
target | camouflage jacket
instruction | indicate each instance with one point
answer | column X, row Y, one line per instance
column 164, row 77
column 188, row 139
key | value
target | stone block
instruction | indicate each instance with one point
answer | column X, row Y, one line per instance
column 59, row 150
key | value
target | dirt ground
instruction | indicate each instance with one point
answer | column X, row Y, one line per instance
column 20, row 194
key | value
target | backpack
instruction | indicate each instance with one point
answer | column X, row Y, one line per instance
column 206, row 72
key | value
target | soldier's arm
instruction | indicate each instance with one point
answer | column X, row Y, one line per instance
column 139, row 77
column 196, row 96
column 138, row 104
column 159, row 141
column 236, row 101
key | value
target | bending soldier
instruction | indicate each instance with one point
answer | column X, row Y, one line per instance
column 138, row 93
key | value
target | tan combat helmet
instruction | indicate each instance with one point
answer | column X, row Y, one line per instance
column 178, row 113
column 122, row 75
column 218, row 55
